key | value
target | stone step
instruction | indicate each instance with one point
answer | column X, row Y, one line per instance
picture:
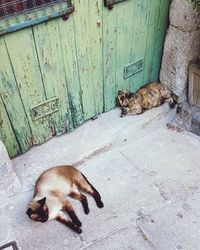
column 10, row 185
column 9, row 182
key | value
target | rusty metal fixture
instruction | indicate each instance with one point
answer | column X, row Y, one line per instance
column 109, row 3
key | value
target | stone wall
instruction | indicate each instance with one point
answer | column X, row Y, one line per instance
column 182, row 45
column 9, row 182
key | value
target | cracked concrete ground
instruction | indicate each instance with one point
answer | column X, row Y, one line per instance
column 148, row 175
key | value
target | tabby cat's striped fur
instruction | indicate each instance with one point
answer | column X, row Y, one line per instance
column 149, row 96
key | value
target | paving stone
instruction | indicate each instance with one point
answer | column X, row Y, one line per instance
column 124, row 190
column 175, row 226
column 170, row 159
column 131, row 240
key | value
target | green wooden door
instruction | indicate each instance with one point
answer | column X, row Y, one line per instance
column 58, row 74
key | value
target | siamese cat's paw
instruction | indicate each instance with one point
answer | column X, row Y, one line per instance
column 87, row 210
column 100, row 204
column 78, row 230
column 78, row 223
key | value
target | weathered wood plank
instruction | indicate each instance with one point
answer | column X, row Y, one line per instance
column 109, row 57
column 7, row 135
column 68, row 46
column 29, row 81
column 125, row 25
column 49, row 51
column 95, row 25
column 141, row 15
column 12, row 101
column 83, row 46
column 152, row 29
column 159, row 38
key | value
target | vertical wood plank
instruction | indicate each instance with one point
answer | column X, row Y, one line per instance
column 159, row 39
column 141, row 15
column 25, row 63
column 83, row 46
column 12, row 101
column 95, row 25
column 7, row 135
column 48, row 46
column 151, row 40
column 125, row 25
column 68, row 46
column 109, row 57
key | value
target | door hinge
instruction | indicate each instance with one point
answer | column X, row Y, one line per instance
column 133, row 68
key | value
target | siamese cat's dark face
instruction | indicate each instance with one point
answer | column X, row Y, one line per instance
column 38, row 210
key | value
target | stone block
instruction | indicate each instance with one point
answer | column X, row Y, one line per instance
column 183, row 16
column 6, row 232
column 9, row 182
column 180, row 49
column 175, row 226
column 189, row 118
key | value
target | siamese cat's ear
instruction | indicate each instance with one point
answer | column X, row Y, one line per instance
column 42, row 201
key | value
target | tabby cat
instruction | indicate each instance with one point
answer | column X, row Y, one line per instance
column 151, row 95
column 49, row 199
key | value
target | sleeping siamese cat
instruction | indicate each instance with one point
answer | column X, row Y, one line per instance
column 49, row 199
column 149, row 96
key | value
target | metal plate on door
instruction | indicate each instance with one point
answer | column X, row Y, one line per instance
column 133, row 68
column 45, row 108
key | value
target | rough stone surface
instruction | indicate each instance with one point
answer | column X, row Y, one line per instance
column 132, row 239
column 9, row 182
column 189, row 118
column 7, row 233
column 183, row 16
column 168, row 162
column 148, row 178
column 180, row 48
column 175, row 226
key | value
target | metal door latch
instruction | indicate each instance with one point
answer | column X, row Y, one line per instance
column 109, row 3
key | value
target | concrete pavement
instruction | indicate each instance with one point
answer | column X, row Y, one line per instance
column 148, row 176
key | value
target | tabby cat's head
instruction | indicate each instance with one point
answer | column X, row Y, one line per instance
column 122, row 98
column 38, row 210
